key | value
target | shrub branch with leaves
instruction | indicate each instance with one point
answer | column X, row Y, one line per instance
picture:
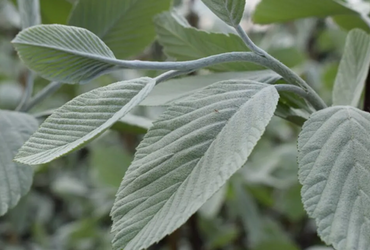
column 201, row 140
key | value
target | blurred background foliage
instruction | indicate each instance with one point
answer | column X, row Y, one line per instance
column 259, row 209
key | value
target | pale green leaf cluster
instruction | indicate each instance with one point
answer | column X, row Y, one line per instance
column 180, row 163
column 212, row 122
column 15, row 179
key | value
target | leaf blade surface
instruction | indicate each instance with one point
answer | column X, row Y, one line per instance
column 271, row 11
column 353, row 69
column 334, row 169
column 83, row 119
column 229, row 11
column 63, row 53
column 15, row 179
column 187, row 155
column 183, row 42
column 125, row 26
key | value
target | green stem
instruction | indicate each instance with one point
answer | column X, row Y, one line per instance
column 44, row 93
column 283, row 70
column 292, row 78
column 188, row 66
column 294, row 89
column 268, row 62
column 170, row 74
column 27, row 92
column 250, row 44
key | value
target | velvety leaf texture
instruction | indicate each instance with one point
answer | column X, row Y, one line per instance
column 63, row 53
column 126, row 26
column 82, row 119
column 188, row 154
column 229, row 11
column 334, row 169
column 15, row 179
column 186, row 43
column 353, row 69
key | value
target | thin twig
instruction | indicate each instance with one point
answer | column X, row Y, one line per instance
column 283, row 70
column 27, row 92
column 170, row 74
column 291, row 88
column 44, row 93
column 250, row 44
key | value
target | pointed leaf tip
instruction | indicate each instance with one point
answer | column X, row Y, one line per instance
column 83, row 119
column 188, row 154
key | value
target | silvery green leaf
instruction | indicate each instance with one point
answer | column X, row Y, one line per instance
column 125, row 26
column 353, row 69
column 188, row 154
column 15, row 179
column 63, row 53
column 334, row 169
column 229, row 11
column 83, row 119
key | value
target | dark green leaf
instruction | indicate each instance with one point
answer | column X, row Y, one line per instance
column 271, row 11
column 349, row 22
column 125, row 26
column 186, row 43
column 54, row 11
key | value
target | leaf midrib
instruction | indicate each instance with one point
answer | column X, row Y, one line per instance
column 63, row 149
column 231, row 20
column 110, row 60
column 195, row 167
